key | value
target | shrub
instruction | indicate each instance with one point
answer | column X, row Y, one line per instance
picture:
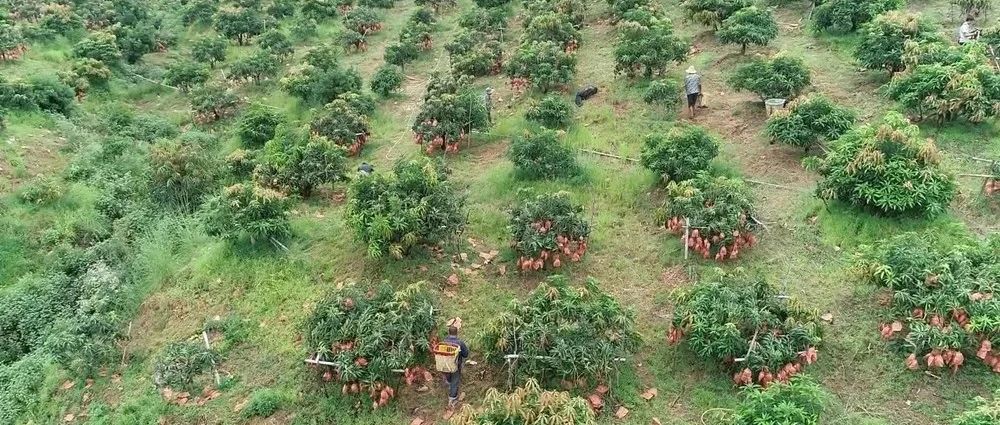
column 647, row 48
column 843, row 16
column 547, row 228
column 401, row 53
column 551, row 26
column 212, row 103
column 949, row 84
column 294, row 162
column 552, row 112
column 353, row 40
column 563, row 332
column 943, row 309
column 322, row 79
column 255, row 67
column 478, row 19
column 739, row 319
column 720, row 210
column 883, row 39
column 887, row 168
column 41, row 190
column 180, row 363
column 450, row 112
column 809, row 122
column 245, row 211
column 93, row 70
column 258, row 125
column 49, row 94
column 475, row 54
column 713, row 12
column 263, row 403
column 136, row 41
column 491, row 3
column 361, row 103
column 781, row 77
column 541, row 155
column 663, row 92
column 751, row 25
column 368, row 332
column 386, row 80
column 416, row 205
column 200, row 12
column 341, row 124
column 181, row 172
column 532, row 406
column 799, row 401
column 364, row 20
column 985, row 412
column 318, row 9
column 185, row 74
column 542, row 65
column 209, row 50
column 240, row 24
column 276, row 43
column 12, row 42
column 381, row 4
column 102, row 46
column 681, row 154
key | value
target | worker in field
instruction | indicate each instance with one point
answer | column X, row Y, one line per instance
column 692, row 88
column 968, row 33
column 449, row 356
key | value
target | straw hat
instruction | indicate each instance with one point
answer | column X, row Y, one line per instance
column 691, row 70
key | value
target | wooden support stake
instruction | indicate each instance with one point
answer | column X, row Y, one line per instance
column 215, row 368
column 771, row 184
column 609, row 155
column 687, row 234
column 985, row 176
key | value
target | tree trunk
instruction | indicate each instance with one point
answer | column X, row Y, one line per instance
column 743, row 49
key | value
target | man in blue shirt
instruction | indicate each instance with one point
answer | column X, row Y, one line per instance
column 453, row 379
column 692, row 88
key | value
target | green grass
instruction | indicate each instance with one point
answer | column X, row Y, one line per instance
column 189, row 277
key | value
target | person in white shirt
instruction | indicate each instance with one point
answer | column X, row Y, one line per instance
column 967, row 32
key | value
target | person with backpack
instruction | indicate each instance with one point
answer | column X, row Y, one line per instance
column 448, row 357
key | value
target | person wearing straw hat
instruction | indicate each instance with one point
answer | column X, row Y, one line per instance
column 692, row 88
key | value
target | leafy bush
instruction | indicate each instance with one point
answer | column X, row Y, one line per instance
column 798, row 402
column 542, row 65
column 720, row 210
column 343, row 125
column 563, row 332
column 547, row 228
column 294, row 162
column 887, row 168
column 985, row 413
column 19, row 385
column 258, row 125
column 94, row 71
column 240, row 24
column 12, row 42
column 364, row 20
column 401, row 53
column 180, row 363
column 485, row 20
column 542, row 155
column 181, row 172
column 486, row 4
column 947, row 83
column 551, row 26
column 663, row 92
column 263, row 403
column 450, row 112
column 257, row 66
column 209, row 50
column 647, row 48
column 368, row 332
column 276, row 43
column 781, row 77
column 740, row 320
column 318, row 9
column 244, row 210
column 212, row 103
column 883, row 40
column 943, row 306
column 552, row 112
column 750, row 25
column 41, row 190
column 681, row 154
column 809, row 122
column 200, row 12
column 386, row 80
column 322, row 79
column 185, row 74
column 416, row 205
column 843, row 16
column 475, row 54
column 102, row 46
column 532, row 406
column 713, row 12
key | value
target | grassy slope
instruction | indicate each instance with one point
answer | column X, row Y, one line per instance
column 806, row 250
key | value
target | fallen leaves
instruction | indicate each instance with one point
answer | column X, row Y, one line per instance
column 417, row 421
column 621, row 413
column 488, row 256
column 453, row 280
column 68, row 384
